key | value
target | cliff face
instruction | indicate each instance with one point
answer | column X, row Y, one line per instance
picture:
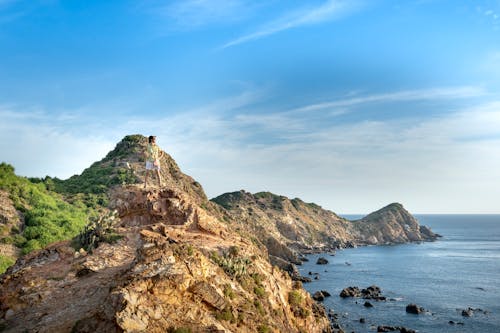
column 293, row 222
column 174, row 265
column 282, row 223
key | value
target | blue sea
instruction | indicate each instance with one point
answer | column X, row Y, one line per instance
column 458, row 271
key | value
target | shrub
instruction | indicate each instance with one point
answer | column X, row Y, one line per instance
column 98, row 230
column 295, row 298
column 233, row 266
column 5, row 262
column 228, row 291
column 48, row 217
column 259, row 307
column 226, row 315
column 259, row 291
column 263, row 329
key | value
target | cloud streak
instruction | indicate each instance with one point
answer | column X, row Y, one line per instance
column 329, row 10
column 228, row 145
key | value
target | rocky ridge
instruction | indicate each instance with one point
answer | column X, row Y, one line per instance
column 175, row 265
column 289, row 227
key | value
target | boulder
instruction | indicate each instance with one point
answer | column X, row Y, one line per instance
column 322, row 261
column 325, row 293
column 373, row 292
column 468, row 312
column 350, row 292
column 368, row 304
column 414, row 308
column 318, row 296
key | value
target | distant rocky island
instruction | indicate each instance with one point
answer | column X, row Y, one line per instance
column 114, row 257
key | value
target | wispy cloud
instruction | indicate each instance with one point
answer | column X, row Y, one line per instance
column 228, row 145
column 329, row 10
column 192, row 14
column 406, row 95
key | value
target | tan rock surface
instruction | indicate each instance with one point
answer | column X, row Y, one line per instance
column 176, row 266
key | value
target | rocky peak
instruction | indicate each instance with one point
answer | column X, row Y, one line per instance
column 391, row 224
column 125, row 164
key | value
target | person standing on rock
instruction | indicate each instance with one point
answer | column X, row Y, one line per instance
column 152, row 159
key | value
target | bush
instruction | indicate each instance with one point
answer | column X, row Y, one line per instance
column 295, row 298
column 233, row 266
column 48, row 217
column 5, row 262
column 259, row 291
column 263, row 329
column 226, row 315
column 98, row 230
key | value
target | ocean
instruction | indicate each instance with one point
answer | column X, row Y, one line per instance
column 458, row 271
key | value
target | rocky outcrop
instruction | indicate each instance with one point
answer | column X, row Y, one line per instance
column 414, row 309
column 175, row 266
column 307, row 228
column 391, row 225
column 371, row 292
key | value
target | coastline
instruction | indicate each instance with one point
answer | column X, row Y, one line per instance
column 418, row 273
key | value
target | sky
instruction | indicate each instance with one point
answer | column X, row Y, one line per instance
column 349, row 104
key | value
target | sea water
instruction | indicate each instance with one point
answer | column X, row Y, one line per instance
column 458, row 271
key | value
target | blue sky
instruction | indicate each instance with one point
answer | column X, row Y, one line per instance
column 350, row 104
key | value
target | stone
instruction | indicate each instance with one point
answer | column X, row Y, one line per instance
column 9, row 314
column 325, row 293
column 468, row 312
column 415, row 309
column 208, row 294
column 318, row 296
column 368, row 304
column 350, row 292
column 322, row 261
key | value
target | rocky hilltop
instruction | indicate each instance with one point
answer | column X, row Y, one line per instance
column 284, row 224
column 171, row 265
column 168, row 259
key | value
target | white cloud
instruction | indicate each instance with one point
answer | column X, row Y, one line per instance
column 406, row 95
column 329, row 10
column 440, row 164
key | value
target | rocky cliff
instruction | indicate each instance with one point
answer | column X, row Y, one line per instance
column 172, row 261
column 175, row 266
column 175, row 263
column 284, row 224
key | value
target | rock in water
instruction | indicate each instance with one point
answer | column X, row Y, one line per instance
column 350, row 292
column 322, row 261
column 318, row 296
column 414, row 308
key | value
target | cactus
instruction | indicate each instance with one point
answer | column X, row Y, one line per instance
column 99, row 229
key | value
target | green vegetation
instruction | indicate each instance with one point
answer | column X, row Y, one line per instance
column 228, row 291
column 259, row 291
column 99, row 229
column 232, row 264
column 5, row 262
column 259, row 307
column 226, row 315
column 263, row 329
column 92, row 185
column 48, row 218
column 295, row 298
